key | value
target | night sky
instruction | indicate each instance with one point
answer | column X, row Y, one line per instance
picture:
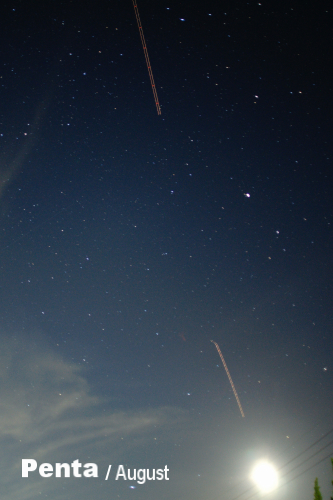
column 130, row 240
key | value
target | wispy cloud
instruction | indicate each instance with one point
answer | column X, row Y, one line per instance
column 48, row 413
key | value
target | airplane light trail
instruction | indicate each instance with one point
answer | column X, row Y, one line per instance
column 229, row 377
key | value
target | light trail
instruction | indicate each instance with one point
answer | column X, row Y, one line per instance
column 229, row 377
column 152, row 82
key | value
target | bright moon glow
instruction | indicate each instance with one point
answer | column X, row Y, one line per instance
column 265, row 476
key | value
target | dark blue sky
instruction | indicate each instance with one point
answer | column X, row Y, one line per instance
column 130, row 240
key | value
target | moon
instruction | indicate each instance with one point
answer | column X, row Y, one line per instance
column 265, row 476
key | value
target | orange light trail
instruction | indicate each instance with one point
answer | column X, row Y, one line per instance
column 229, row 377
column 152, row 82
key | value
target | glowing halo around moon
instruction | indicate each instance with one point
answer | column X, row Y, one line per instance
column 265, row 476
